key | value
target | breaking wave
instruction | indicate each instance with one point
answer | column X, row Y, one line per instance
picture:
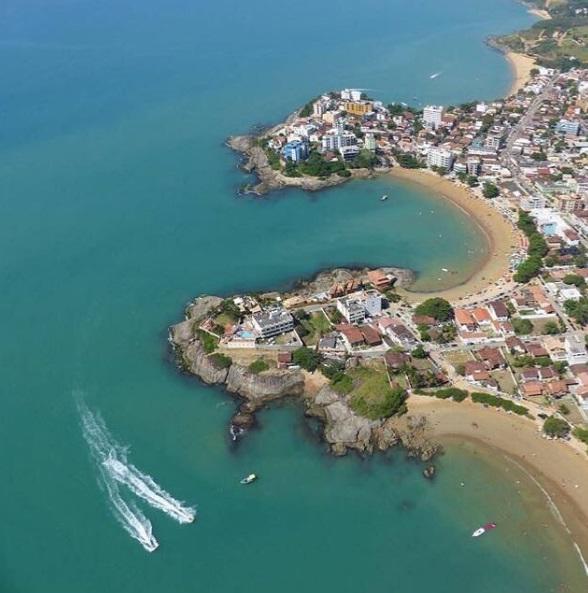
column 114, row 469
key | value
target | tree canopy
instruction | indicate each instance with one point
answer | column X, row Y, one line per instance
column 556, row 427
column 490, row 190
column 306, row 358
column 437, row 308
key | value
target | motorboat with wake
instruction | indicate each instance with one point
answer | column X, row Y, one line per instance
column 482, row 530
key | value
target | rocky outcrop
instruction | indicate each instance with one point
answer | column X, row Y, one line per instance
column 266, row 386
column 326, row 279
column 269, row 179
column 343, row 429
column 197, row 362
column 200, row 307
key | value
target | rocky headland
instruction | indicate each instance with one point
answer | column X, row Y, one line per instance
column 255, row 161
column 342, row 429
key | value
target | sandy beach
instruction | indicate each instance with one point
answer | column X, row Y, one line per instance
column 502, row 237
column 561, row 470
column 521, row 66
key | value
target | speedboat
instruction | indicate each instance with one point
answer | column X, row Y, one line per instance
column 248, row 479
column 384, row 197
column 482, row 530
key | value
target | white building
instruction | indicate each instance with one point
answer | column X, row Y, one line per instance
column 351, row 95
column 576, row 349
column 335, row 140
column 370, row 142
column 532, row 202
column 373, row 303
column 432, row 116
column 272, row 322
column 352, row 309
column 440, row 157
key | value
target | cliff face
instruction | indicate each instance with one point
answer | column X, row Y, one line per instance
column 266, row 386
column 198, row 363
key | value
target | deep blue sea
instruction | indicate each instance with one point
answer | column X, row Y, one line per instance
column 118, row 203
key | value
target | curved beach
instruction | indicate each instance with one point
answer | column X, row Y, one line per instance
column 502, row 237
column 521, row 66
column 560, row 469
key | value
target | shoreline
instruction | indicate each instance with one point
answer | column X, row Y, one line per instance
column 500, row 235
column 521, row 66
column 558, row 469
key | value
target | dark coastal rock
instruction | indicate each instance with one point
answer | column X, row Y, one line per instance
column 243, row 421
column 429, row 472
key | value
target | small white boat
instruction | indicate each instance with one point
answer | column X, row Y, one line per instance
column 384, row 198
column 248, row 479
column 433, row 76
column 482, row 530
column 444, row 270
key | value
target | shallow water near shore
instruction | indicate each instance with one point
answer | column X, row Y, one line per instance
column 119, row 203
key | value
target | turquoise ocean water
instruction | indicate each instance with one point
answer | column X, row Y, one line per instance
column 118, row 203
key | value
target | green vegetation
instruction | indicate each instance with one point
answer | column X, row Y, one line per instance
column 374, row 398
column 563, row 409
column 490, row 190
column 551, row 328
column 437, row 308
column 306, row 111
column 364, row 160
column 498, row 402
column 581, row 434
column 556, row 427
column 454, row 393
column 220, row 361
column 575, row 280
column 273, row 158
column 419, row 352
column 342, row 383
column 208, row 341
column 312, row 326
column 317, row 166
column 408, row 161
column 306, row 358
column 258, row 366
column 536, row 251
column 331, row 368
column 559, row 42
column 446, row 333
column 528, row 270
column 578, row 310
column 522, row 326
column 291, row 170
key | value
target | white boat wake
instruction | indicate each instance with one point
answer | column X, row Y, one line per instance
column 114, row 469
column 144, row 487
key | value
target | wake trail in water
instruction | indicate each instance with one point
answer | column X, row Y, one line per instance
column 99, row 441
column 144, row 487
column 115, row 470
